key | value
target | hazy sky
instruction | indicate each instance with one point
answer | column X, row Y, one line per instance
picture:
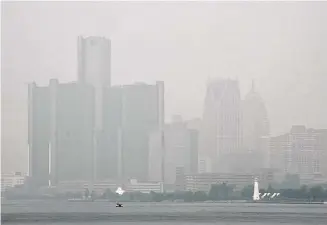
column 281, row 45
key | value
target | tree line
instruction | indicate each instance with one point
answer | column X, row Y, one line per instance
column 217, row 192
column 222, row 192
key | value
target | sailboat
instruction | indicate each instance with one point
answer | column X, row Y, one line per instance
column 119, row 191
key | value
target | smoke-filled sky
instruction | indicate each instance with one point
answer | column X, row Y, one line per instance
column 281, row 45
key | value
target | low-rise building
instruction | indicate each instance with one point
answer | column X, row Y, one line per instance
column 143, row 187
column 99, row 187
column 203, row 181
column 11, row 180
column 302, row 151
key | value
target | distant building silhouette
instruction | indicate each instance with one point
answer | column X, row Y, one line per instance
column 131, row 112
column 255, row 126
column 38, row 133
column 302, row 151
column 61, row 132
column 94, row 66
column 179, row 154
column 221, row 128
column 94, row 60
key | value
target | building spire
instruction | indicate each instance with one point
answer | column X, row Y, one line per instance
column 253, row 86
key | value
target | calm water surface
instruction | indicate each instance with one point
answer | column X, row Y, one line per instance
column 101, row 213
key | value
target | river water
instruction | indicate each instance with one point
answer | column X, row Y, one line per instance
column 101, row 213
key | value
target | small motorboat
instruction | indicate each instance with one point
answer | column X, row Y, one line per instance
column 119, row 204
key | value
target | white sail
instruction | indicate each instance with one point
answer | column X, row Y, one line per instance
column 120, row 191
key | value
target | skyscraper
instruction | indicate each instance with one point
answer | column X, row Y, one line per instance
column 221, row 128
column 132, row 113
column 60, row 131
column 94, row 66
column 109, row 143
column 72, row 132
column 94, row 60
column 255, row 126
column 177, row 149
column 38, row 133
column 179, row 154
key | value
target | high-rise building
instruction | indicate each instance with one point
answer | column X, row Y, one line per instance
column 94, row 60
column 132, row 113
column 302, row 151
column 94, row 66
column 255, row 126
column 38, row 134
column 61, row 132
column 194, row 126
column 156, row 156
column 179, row 152
column 194, row 150
column 221, row 127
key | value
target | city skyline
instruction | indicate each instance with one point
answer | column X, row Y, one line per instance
column 127, row 121
column 289, row 73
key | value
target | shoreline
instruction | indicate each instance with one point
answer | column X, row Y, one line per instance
column 292, row 202
column 289, row 202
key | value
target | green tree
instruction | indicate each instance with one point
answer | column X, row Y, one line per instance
column 200, row 196
column 214, row 192
column 93, row 195
column 317, row 193
column 270, row 189
column 220, row 192
column 225, row 191
column 188, row 196
column 247, row 191
column 157, row 197
column 291, row 181
column 86, row 193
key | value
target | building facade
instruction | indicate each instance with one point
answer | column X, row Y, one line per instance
column 144, row 187
column 61, row 133
column 10, row 180
column 156, row 156
column 94, row 68
column 255, row 127
column 221, row 127
column 174, row 149
column 302, row 151
column 72, row 132
column 132, row 112
column 203, row 181
column 38, row 134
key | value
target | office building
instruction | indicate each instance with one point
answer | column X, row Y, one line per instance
column 10, row 180
column 38, row 134
column 203, row 181
column 302, row 151
column 61, row 133
column 94, row 60
column 178, row 152
column 144, row 187
column 180, row 149
column 156, row 156
column 221, row 127
column 132, row 112
column 255, row 126
column 94, row 66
